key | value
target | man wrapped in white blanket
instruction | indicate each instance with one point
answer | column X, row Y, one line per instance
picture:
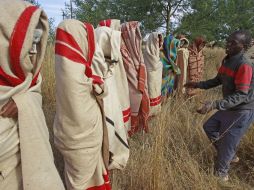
column 154, row 70
column 109, row 41
column 26, row 159
column 121, row 77
column 79, row 123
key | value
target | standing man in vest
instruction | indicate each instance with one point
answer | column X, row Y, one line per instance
column 236, row 110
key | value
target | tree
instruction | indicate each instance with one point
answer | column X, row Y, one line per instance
column 34, row 2
column 172, row 8
column 51, row 37
column 152, row 14
column 216, row 19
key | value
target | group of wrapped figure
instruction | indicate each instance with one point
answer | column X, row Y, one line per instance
column 108, row 83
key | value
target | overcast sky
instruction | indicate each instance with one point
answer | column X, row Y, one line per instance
column 53, row 8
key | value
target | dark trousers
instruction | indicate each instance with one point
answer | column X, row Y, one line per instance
column 225, row 129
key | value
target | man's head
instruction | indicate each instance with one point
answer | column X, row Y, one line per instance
column 238, row 41
column 200, row 42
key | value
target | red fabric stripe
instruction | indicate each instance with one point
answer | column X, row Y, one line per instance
column 102, row 23
column 105, row 23
column 155, row 99
column 91, row 50
column 155, row 103
column 17, row 40
column 126, row 118
column 7, row 80
column 127, row 112
column 67, row 38
column 91, row 42
column 97, row 79
column 106, row 178
column 67, row 52
column 105, row 186
column 226, row 71
column 34, row 81
column 101, row 187
column 126, row 115
column 70, row 54
column 243, row 87
column 243, row 77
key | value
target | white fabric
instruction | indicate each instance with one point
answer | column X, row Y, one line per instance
column 182, row 62
column 121, row 81
column 25, row 139
column 78, row 126
column 109, row 41
column 154, row 71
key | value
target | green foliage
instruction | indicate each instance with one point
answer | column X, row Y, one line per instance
column 152, row 14
column 34, row 2
column 51, row 37
column 216, row 19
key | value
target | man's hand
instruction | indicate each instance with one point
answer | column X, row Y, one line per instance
column 9, row 110
column 191, row 85
column 207, row 107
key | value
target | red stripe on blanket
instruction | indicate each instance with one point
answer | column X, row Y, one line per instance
column 127, row 118
column 91, row 42
column 105, row 186
column 126, row 115
column 155, row 101
column 97, row 79
column 7, row 80
column 70, row 54
column 126, row 112
column 34, row 81
column 105, row 23
column 17, row 40
column 67, row 38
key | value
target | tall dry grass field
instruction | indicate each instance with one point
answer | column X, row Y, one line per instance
column 176, row 153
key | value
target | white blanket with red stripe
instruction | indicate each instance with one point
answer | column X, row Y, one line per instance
column 121, row 78
column 182, row 62
column 24, row 141
column 109, row 41
column 78, row 126
column 154, row 71
column 115, row 24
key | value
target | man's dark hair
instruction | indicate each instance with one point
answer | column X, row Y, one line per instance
column 244, row 37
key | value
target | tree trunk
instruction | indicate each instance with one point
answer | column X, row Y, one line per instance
column 168, row 19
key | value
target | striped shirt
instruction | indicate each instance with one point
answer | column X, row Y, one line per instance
column 236, row 77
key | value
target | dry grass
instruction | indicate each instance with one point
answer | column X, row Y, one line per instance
column 176, row 153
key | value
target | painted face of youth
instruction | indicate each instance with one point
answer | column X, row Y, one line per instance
column 160, row 40
column 234, row 45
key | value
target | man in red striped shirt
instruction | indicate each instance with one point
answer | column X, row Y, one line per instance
column 236, row 110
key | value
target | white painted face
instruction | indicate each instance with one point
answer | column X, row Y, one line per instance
column 36, row 39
